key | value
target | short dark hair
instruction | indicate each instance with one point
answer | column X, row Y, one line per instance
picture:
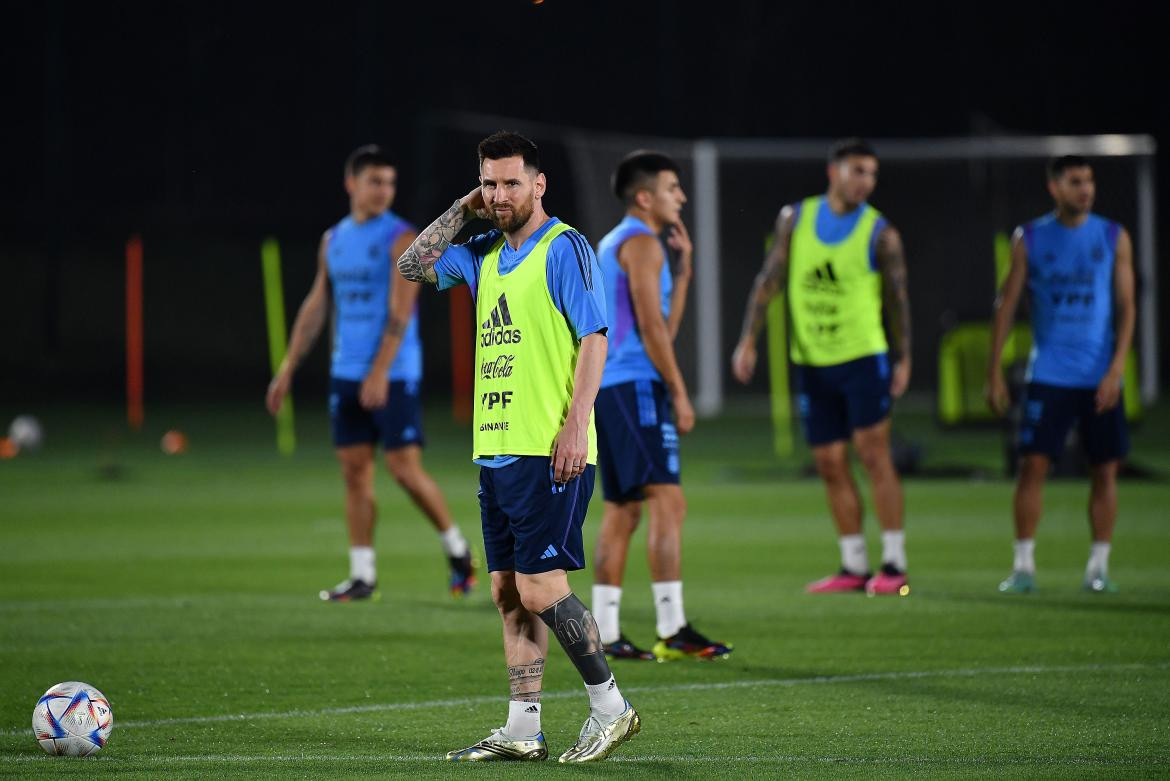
column 1058, row 165
column 505, row 143
column 370, row 155
column 848, row 147
column 637, row 170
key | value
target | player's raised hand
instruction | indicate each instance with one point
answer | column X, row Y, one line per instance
column 570, row 452
column 1108, row 392
column 278, row 389
column 900, row 380
column 474, row 203
column 374, row 391
column 679, row 240
column 743, row 361
column 996, row 392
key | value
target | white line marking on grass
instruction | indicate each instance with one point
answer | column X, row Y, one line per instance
column 464, row 702
column 217, row 759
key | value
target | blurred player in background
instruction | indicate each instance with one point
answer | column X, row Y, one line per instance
column 1078, row 270
column 376, row 369
column 540, row 352
column 841, row 264
column 637, row 435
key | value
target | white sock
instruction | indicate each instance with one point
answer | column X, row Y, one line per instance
column 894, row 549
column 361, row 564
column 607, row 602
column 668, row 605
column 853, row 557
column 1098, row 565
column 1024, row 560
column 605, row 700
column 523, row 719
column 454, row 544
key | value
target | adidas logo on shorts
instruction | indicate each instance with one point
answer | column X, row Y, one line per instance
column 549, row 552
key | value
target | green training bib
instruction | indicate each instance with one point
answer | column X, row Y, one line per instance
column 525, row 358
column 834, row 296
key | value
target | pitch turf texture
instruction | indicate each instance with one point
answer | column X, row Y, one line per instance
column 185, row 588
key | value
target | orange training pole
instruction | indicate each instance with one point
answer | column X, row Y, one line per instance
column 134, row 406
column 462, row 354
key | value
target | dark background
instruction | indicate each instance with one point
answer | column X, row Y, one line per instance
column 206, row 127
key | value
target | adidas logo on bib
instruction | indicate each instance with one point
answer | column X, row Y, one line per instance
column 497, row 328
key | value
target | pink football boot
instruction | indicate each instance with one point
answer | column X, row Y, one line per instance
column 837, row 584
column 890, row 580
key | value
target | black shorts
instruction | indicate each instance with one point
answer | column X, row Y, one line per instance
column 637, row 442
column 531, row 525
column 1049, row 412
column 835, row 401
column 395, row 425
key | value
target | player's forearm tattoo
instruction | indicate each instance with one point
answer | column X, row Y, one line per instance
column 773, row 277
column 395, row 327
column 525, row 680
column 895, row 292
column 767, row 284
column 418, row 262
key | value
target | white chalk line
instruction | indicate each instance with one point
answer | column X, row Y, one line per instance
column 465, row 702
column 243, row 759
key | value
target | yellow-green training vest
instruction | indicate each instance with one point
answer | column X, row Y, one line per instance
column 834, row 297
column 525, row 357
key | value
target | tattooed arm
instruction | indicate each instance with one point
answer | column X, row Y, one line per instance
column 771, row 280
column 417, row 264
column 891, row 259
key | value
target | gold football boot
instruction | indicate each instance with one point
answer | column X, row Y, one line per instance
column 498, row 747
column 597, row 741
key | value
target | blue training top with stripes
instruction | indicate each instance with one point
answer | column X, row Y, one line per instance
column 358, row 259
column 1070, row 286
column 626, row 360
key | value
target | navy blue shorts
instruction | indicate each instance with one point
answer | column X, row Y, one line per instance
column 1050, row 411
column 530, row 525
column 395, row 425
column 637, row 443
column 835, row 401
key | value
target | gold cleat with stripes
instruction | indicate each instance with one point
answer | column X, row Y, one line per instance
column 598, row 741
column 498, row 747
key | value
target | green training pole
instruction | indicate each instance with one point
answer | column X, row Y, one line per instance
column 777, row 325
column 286, row 438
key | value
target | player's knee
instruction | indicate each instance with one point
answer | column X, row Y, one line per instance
column 1033, row 469
column 401, row 469
column 875, row 457
column 356, row 476
column 832, row 467
column 1104, row 476
column 505, row 596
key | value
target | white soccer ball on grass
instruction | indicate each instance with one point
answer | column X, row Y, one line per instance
column 72, row 719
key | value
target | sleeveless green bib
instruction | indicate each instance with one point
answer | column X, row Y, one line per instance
column 525, row 357
column 834, row 297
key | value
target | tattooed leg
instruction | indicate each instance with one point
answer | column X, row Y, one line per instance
column 525, row 681
column 577, row 633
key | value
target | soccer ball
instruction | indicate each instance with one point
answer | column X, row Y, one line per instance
column 72, row 719
column 26, row 432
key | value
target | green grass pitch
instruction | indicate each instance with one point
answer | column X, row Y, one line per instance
column 185, row 587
